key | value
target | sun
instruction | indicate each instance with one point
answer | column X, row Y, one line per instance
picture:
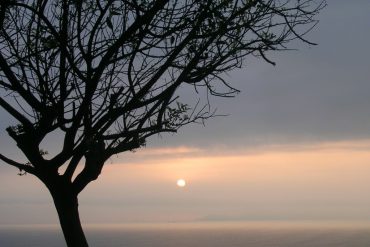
column 181, row 183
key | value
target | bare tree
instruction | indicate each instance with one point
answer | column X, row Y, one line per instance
column 105, row 75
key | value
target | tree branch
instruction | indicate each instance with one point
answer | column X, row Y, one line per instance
column 21, row 167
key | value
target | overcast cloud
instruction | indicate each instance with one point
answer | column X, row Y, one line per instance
column 317, row 93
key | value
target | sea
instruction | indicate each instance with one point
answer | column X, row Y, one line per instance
column 203, row 234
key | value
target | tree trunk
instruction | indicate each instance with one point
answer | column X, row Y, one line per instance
column 67, row 208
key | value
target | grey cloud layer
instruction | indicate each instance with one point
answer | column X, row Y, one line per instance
column 319, row 93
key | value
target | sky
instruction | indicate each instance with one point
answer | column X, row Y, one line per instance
column 294, row 146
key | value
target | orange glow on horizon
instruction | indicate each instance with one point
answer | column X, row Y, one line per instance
column 313, row 182
column 325, row 163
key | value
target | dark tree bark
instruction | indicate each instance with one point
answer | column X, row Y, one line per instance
column 66, row 204
column 67, row 208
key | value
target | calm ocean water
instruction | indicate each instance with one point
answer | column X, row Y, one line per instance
column 197, row 235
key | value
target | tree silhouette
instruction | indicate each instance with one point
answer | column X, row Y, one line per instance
column 104, row 75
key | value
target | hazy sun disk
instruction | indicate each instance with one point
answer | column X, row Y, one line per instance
column 181, row 183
